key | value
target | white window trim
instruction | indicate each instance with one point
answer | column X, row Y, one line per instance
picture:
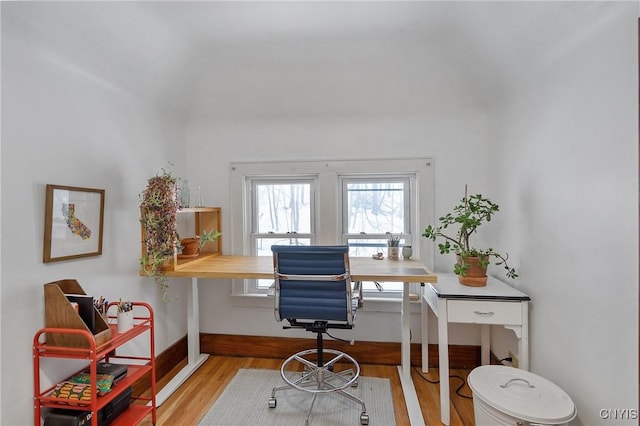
column 328, row 223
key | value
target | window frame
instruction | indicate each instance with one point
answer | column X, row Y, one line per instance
column 328, row 199
column 409, row 228
column 254, row 181
column 254, row 286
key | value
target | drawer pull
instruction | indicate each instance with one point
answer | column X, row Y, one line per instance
column 484, row 314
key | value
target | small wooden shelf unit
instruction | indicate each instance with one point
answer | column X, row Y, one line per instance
column 93, row 352
column 204, row 219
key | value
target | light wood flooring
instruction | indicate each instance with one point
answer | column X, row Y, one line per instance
column 194, row 398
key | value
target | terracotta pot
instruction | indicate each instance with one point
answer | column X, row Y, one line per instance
column 189, row 246
column 476, row 273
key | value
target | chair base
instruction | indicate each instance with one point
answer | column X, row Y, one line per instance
column 319, row 377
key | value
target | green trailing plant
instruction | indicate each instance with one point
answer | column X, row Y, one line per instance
column 468, row 216
column 158, row 207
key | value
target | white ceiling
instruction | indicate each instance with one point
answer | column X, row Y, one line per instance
column 248, row 58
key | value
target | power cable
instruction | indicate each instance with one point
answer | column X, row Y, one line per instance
column 455, row 376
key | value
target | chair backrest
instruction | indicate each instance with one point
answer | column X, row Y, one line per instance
column 313, row 283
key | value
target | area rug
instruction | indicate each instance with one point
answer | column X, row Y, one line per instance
column 245, row 401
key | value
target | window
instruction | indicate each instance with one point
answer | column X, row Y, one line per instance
column 374, row 209
column 282, row 212
column 359, row 203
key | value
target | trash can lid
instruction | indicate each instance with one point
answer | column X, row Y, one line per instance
column 521, row 394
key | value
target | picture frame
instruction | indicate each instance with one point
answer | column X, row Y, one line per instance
column 73, row 222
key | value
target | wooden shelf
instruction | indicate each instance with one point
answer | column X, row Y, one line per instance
column 196, row 221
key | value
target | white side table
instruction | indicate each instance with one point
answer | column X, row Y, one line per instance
column 452, row 302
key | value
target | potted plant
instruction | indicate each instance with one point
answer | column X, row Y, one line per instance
column 472, row 262
column 158, row 207
column 190, row 247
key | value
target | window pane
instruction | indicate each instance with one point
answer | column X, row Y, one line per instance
column 263, row 245
column 283, row 207
column 375, row 207
column 368, row 247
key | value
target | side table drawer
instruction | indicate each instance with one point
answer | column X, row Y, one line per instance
column 484, row 312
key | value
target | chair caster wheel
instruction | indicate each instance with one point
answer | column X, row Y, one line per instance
column 364, row 418
column 273, row 403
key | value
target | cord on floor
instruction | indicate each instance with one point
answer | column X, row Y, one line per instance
column 450, row 376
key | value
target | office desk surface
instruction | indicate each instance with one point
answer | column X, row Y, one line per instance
column 254, row 267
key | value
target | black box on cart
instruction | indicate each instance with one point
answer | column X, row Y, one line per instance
column 60, row 417
column 65, row 417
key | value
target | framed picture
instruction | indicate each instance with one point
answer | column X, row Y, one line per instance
column 73, row 223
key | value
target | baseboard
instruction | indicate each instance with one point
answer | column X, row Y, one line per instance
column 384, row 353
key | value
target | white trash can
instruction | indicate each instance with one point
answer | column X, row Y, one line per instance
column 509, row 396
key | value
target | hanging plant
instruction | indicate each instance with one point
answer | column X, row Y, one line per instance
column 158, row 207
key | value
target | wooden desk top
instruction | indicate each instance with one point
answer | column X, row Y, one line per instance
column 254, row 267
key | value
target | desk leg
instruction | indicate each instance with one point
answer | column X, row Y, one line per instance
column 424, row 326
column 404, row 370
column 194, row 357
column 443, row 360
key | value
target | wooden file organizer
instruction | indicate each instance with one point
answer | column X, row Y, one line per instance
column 60, row 313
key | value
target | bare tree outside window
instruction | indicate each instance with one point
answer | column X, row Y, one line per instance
column 283, row 208
column 376, row 208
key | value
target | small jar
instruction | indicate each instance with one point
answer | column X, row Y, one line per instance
column 407, row 252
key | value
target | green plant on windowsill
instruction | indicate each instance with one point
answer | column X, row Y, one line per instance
column 469, row 215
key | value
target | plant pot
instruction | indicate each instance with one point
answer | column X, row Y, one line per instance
column 476, row 273
column 190, row 246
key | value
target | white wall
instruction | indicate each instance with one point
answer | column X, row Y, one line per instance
column 331, row 98
column 564, row 164
column 65, row 125
column 211, row 145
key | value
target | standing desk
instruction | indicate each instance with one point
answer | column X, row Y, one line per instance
column 255, row 267
column 452, row 302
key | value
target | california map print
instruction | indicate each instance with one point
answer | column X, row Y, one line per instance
column 73, row 222
column 75, row 225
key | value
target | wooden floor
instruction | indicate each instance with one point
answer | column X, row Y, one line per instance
column 194, row 398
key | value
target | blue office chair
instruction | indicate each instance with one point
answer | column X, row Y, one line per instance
column 313, row 291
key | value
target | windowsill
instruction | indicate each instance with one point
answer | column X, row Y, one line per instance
column 374, row 304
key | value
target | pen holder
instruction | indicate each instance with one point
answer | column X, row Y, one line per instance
column 125, row 321
column 393, row 253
